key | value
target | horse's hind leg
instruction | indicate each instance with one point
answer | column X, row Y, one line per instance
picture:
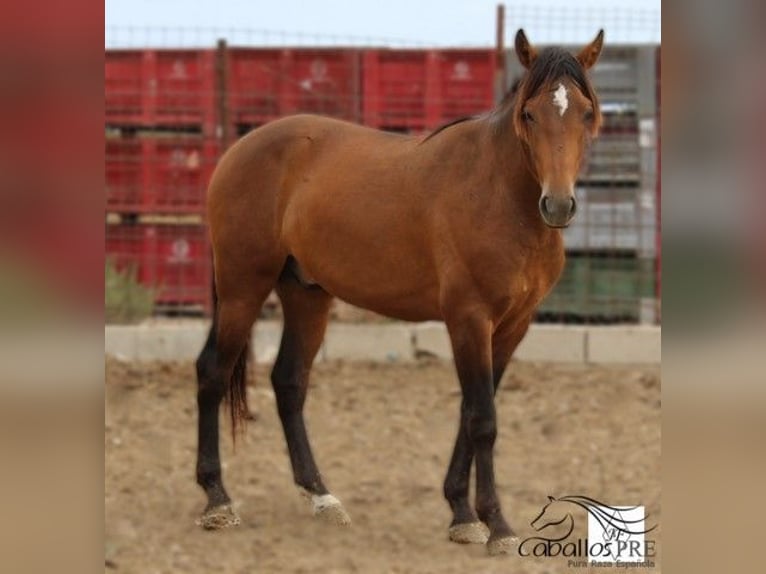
column 223, row 355
column 305, row 312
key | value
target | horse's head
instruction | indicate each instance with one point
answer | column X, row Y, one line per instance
column 556, row 114
column 552, row 514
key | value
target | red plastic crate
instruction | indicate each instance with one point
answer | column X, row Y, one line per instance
column 160, row 88
column 174, row 259
column 466, row 83
column 265, row 84
column 324, row 81
column 397, row 88
column 124, row 175
column 124, row 85
column 158, row 175
column 417, row 89
column 256, row 85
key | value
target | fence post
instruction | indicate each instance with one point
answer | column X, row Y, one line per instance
column 370, row 88
column 500, row 79
column 650, row 176
column 223, row 133
column 658, row 200
column 356, row 78
column 433, row 94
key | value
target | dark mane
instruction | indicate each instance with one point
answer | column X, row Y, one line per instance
column 550, row 65
column 443, row 127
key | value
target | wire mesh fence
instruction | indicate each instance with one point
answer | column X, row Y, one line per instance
column 172, row 111
column 548, row 22
column 140, row 37
column 568, row 23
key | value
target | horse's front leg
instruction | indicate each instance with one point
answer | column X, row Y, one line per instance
column 465, row 526
column 471, row 338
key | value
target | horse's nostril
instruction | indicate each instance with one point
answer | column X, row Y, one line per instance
column 544, row 205
column 572, row 206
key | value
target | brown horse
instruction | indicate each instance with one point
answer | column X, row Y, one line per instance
column 462, row 226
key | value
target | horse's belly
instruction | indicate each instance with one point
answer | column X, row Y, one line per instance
column 405, row 294
column 377, row 266
column 404, row 306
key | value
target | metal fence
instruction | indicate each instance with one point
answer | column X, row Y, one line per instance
column 170, row 113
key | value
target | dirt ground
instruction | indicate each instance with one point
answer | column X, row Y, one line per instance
column 382, row 435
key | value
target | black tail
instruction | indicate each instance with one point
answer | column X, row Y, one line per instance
column 237, row 394
column 236, row 388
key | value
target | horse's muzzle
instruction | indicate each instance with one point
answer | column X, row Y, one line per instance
column 557, row 211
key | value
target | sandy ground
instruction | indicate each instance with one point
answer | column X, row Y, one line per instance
column 382, row 435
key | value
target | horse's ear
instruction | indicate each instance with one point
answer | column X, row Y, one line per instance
column 551, row 499
column 590, row 53
column 524, row 51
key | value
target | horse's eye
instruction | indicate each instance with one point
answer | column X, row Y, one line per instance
column 527, row 117
column 589, row 115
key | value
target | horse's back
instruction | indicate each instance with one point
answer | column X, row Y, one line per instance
column 292, row 145
column 291, row 130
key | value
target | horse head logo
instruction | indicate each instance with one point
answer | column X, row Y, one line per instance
column 554, row 514
column 616, row 522
column 613, row 531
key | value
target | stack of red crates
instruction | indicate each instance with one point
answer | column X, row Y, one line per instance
column 418, row 90
column 264, row 84
column 161, row 148
column 397, row 90
column 172, row 112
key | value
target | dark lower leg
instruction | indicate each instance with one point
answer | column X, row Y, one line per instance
column 472, row 347
column 305, row 316
column 457, row 482
column 290, row 381
column 208, row 460
column 215, row 365
column 484, row 428
column 483, row 431
column 209, row 396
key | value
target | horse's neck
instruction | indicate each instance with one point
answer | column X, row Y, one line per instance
column 486, row 157
column 512, row 164
column 515, row 184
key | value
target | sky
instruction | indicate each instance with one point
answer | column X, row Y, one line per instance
column 374, row 22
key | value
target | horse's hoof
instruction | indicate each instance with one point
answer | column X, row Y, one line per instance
column 333, row 514
column 327, row 508
column 500, row 546
column 469, row 533
column 218, row 517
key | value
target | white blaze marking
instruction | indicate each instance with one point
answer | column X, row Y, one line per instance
column 560, row 99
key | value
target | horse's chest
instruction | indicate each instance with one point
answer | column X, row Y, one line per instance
column 528, row 283
column 536, row 282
